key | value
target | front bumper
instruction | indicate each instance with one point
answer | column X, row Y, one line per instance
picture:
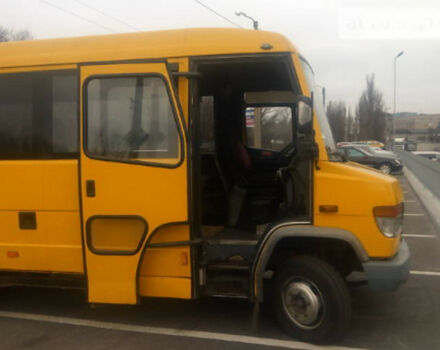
column 396, row 168
column 388, row 275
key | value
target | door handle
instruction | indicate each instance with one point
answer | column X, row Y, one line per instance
column 90, row 188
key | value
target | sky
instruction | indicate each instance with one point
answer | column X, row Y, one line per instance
column 344, row 40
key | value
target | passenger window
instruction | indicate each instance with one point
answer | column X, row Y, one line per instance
column 65, row 115
column 16, row 117
column 269, row 128
column 353, row 153
column 131, row 118
column 38, row 115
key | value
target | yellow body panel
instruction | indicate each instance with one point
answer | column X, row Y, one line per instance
column 166, row 262
column 147, row 45
column 183, row 85
column 166, row 272
column 33, row 68
column 172, row 261
column 165, row 287
column 356, row 190
column 50, row 189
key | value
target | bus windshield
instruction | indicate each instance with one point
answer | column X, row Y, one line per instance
column 320, row 110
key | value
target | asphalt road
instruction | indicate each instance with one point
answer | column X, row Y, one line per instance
column 33, row 318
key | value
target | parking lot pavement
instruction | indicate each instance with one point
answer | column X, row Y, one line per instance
column 408, row 319
column 54, row 336
column 420, row 233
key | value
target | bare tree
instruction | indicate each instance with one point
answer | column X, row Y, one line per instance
column 351, row 130
column 337, row 117
column 14, row 35
column 4, row 34
column 371, row 113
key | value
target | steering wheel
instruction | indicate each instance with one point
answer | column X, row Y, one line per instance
column 287, row 151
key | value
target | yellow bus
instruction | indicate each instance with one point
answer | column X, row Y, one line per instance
column 186, row 164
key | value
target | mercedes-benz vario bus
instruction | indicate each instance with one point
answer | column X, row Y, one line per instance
column 186, row 164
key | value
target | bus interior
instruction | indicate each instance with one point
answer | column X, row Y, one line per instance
column 248, row 171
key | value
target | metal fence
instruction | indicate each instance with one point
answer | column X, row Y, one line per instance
column 426, row 170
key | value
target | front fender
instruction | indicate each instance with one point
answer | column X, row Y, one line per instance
column 295, row 229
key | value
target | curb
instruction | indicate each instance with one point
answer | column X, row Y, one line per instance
column 428, row 199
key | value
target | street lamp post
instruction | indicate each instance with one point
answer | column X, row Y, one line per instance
column 255, row 23
column 394, row 109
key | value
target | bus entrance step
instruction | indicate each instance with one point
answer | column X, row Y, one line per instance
column 228, row 266
column 227, row 280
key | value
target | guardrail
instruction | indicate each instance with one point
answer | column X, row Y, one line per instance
column 426, row 170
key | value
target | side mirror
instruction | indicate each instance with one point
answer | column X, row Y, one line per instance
column 305, row 114
column 304, row 109
column 305, row 132
column 269, row 127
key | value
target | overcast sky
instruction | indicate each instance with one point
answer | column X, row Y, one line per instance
column 339, row 38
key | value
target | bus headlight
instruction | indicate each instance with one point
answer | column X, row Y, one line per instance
column 389, row 219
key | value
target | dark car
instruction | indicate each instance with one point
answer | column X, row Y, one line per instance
column 387, row 163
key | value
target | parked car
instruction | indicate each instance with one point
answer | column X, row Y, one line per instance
column 372, row 143
column 383, row 151
column 433, row 155
column 373, row 149
column 386, row 163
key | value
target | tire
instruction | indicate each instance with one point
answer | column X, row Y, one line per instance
column 307, row 280
column 385, row 168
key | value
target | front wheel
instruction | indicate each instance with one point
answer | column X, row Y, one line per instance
column 385, row 168
column 312, row 301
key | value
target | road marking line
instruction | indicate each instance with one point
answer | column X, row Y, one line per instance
column 425, row 273
column 414, row 214
column 289, row 344
column 418, row 236
column 404, row 191
column 410, row 201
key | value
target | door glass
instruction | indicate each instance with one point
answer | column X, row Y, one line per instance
column 269, row 128
column 352, row 153
column 131, row 118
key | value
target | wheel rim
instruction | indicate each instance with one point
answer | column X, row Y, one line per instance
column 385, row 168
column 303, row 303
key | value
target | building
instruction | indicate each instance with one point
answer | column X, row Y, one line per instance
column 421, row 129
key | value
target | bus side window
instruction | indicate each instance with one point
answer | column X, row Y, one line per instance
column 38, row 115
column 64, row 115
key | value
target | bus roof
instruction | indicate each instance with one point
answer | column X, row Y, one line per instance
column 129, row 46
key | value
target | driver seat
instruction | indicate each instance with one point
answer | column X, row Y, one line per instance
column 237, row 194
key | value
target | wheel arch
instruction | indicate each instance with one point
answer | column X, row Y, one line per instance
column 289, row 234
